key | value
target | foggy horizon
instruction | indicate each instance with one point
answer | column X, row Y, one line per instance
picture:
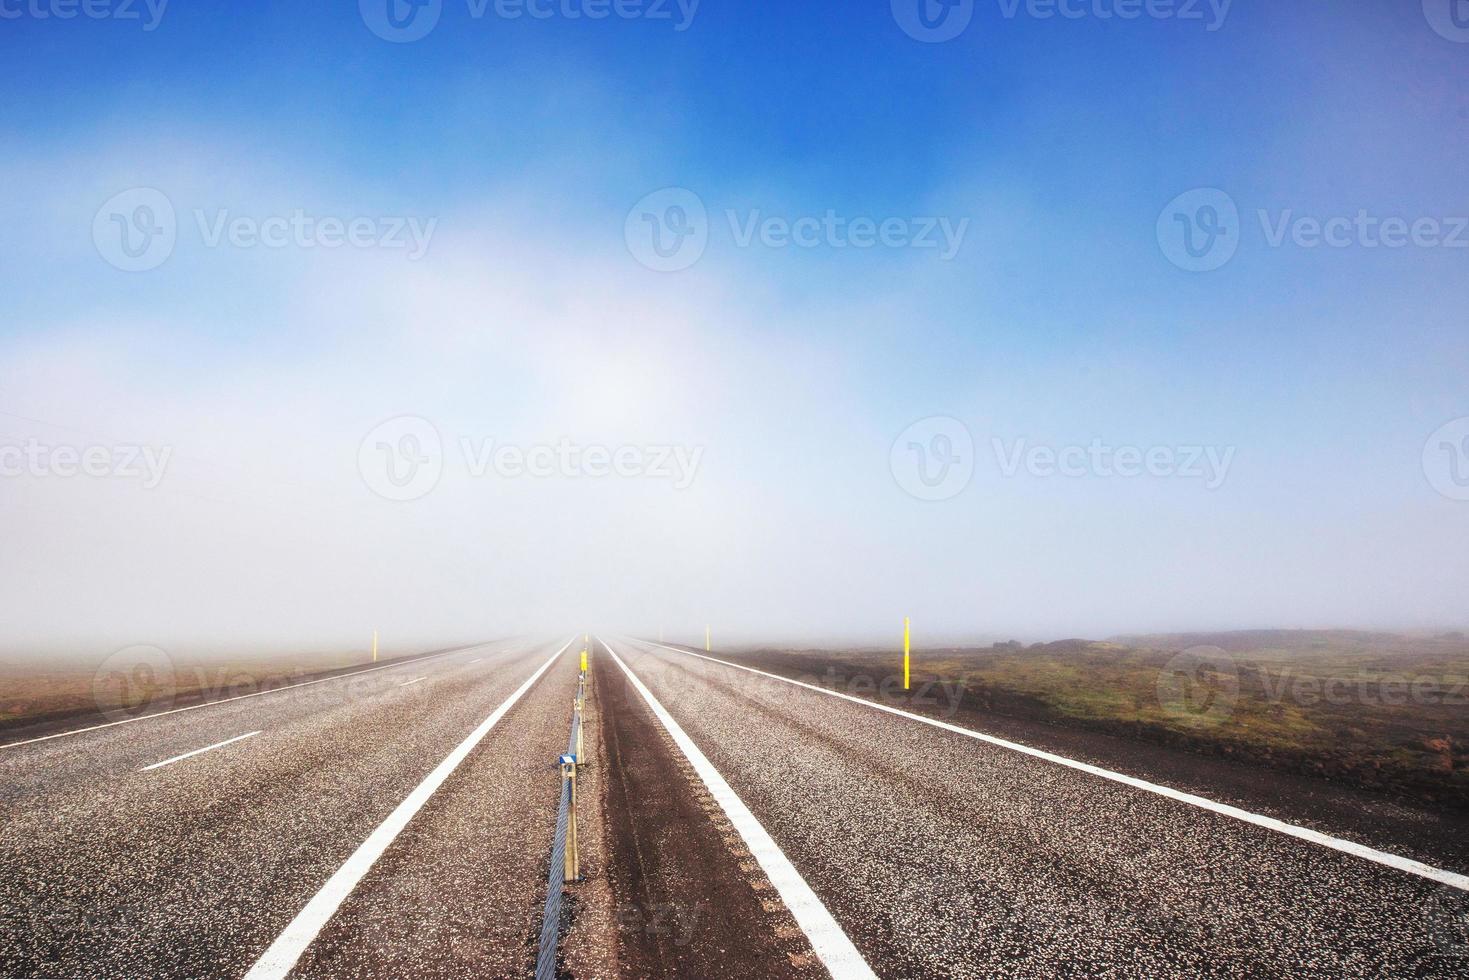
column 932, row 363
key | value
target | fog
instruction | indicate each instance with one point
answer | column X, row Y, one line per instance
column 605, row 447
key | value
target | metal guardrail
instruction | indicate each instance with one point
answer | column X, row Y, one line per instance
column 565, row 857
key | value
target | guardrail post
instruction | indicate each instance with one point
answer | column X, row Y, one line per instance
column 572, row 869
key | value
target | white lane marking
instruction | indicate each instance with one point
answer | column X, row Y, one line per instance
column 475, row 661
column 414, row 681
column 207, row 748
column 1450, row 878
column 827, row 938
column 281, row 957
column 240, row 697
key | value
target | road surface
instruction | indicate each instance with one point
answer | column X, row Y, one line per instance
column 398, row 822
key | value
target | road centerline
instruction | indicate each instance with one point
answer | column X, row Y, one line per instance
column 278, row 960
column 828, row 939
column 1397, row 862
column 207, row 748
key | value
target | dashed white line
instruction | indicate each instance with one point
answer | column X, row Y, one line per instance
column 207, row 748
column 240, row 697
column 414, row 681
column 281, row 957
column 1450, row 878
column 837, row 953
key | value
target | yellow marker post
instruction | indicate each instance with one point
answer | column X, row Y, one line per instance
column 706, row 639
column 906, row 648
column 374, row 646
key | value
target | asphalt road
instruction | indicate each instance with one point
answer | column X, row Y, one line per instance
column 397, row 823
column 944, row 856
column 195, row 868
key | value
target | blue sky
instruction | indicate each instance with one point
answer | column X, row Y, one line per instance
column 1060, row 320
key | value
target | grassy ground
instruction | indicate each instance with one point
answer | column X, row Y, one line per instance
column 143, row 680
column 1386, row 712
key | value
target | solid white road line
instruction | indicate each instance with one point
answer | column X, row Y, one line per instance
column 837, row 953
column 281, row 957
column 1450, row 878
column 240, row 697
column 207, row 748
column 414, row 681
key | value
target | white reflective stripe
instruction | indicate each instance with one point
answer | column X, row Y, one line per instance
column 829, row 942
column 1450, row 878
column 281, row 957
column 207, row 748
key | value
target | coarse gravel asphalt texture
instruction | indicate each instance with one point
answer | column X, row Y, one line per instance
column 938, row 855
column 943, row 856
column 192, row 870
